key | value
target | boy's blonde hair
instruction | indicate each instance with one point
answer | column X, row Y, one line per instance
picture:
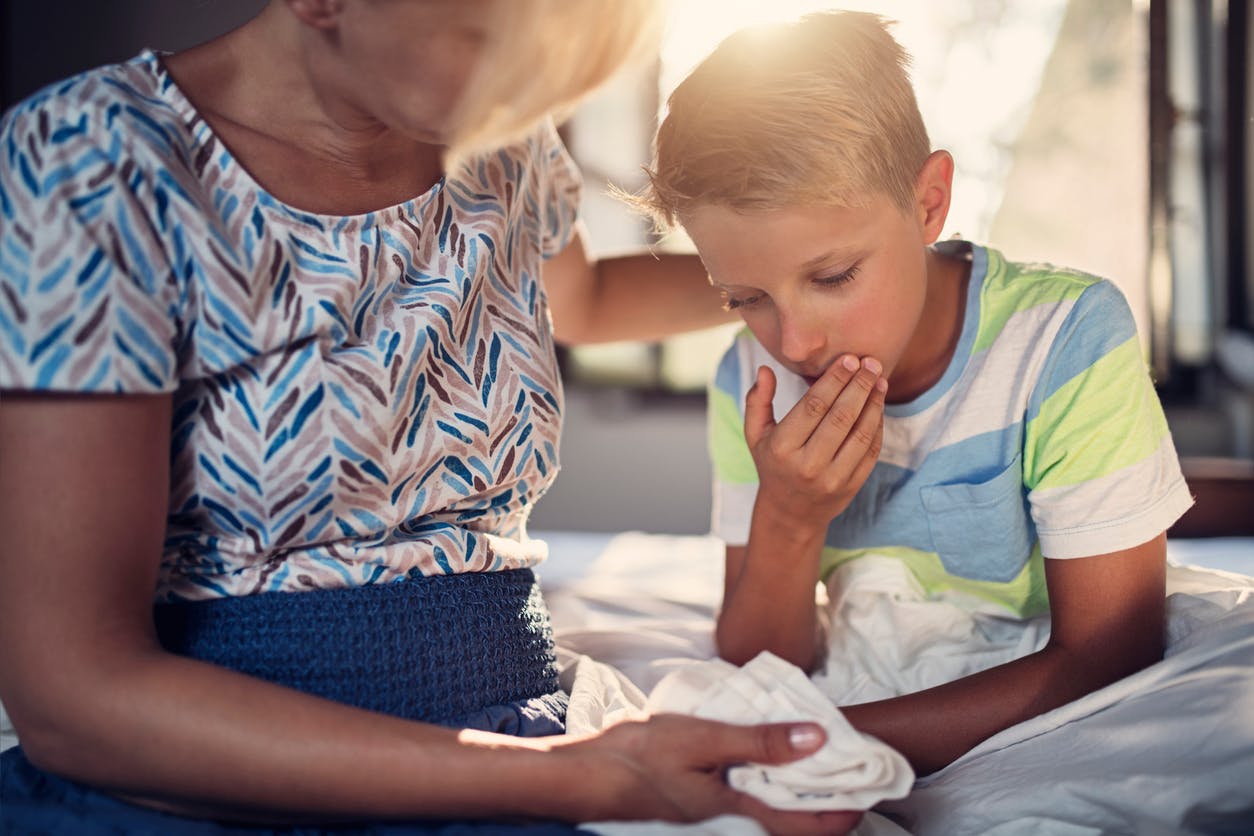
column 544, row 56
column 816, row 112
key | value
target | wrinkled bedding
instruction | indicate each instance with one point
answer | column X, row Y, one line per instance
column 1168, row 750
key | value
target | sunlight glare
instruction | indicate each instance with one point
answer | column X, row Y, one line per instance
column 975, row 72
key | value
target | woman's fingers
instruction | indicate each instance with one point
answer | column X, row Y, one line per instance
column 777, row 744
column 772, row 743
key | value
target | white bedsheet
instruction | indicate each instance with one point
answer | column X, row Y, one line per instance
column 1169, row 750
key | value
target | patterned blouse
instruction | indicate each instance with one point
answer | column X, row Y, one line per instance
column 356, row 399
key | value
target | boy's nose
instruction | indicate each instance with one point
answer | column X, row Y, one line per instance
column 800, row 338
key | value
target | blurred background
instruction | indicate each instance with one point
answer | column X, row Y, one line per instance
column 1112, row 136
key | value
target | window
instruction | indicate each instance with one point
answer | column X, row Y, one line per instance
column 1042, row 103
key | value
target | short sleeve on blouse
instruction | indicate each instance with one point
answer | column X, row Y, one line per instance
column 563, row 186
column 87, row 298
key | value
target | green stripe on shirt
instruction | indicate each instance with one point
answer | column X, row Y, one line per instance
column 1025, row 596
column 1095, row 424
column 730, row 454
column 1009, row 289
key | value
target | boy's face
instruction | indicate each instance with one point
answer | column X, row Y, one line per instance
column 817, row 283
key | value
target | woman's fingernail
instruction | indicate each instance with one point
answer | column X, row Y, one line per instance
column 849, row 362
column 872, row 365
column 881, row 384
column 805, row 737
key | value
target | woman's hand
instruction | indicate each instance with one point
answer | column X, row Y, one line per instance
column 673, row 768
column 812, row 463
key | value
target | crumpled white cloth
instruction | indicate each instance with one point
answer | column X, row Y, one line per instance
column 853, row 771
column 886, row 636
column 600, row 695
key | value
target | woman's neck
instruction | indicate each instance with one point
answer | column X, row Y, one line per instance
column 293, row 127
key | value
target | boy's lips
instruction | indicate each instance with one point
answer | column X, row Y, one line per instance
column 811, row 374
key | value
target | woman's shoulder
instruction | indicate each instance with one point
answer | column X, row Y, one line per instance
column 537, row 155
column 92, row 303
column 111, row 118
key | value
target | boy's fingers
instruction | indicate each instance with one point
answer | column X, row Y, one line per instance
column 844, row 422
column 862, row 470
column 759, row 414
column 800, row 422
column 865, row 434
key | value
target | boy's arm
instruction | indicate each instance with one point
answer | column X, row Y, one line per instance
column 1107, row 616
column 632, row 297
column 1102, row 481
column 810, row 465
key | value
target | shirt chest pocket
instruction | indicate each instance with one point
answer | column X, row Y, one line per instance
column 981, row 530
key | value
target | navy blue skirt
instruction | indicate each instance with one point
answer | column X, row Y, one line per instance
column 471, row 650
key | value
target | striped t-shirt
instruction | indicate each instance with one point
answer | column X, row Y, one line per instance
column 1043, row 437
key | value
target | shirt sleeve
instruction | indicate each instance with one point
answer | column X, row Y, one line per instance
column 87, row 296
column 1099, row 463
column 735, row 474
column 563, row 187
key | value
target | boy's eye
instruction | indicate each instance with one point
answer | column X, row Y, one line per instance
column 839, row 278
column 731, row 303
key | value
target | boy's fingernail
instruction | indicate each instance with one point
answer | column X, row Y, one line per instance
column 872, row 365
column 849, row 362
column 881, row 384
column 805, row 737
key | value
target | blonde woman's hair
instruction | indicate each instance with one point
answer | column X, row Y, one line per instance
column 815, row 112
column 545, row 56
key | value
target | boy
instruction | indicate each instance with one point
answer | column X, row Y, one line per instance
column 991, row 424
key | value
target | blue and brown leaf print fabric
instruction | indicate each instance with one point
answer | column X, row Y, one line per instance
column 355, row 398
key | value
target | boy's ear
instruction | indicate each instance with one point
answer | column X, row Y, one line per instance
column 318, row 14
column 932, row 191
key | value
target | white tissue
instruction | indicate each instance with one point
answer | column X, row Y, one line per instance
column 852, row 771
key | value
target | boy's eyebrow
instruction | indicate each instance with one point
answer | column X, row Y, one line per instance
column 838, row 254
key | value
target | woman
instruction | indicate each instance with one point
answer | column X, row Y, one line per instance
column 277, row 355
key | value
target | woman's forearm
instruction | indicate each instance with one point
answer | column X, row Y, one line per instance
column 149, row 725
column 648, row 296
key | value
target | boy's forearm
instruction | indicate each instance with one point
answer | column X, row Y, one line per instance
column 769, row 602
column 932, row 728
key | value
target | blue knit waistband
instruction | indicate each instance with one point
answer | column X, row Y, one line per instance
column 432, row 648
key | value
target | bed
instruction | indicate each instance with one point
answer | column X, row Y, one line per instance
column 1176, row 741
column 1182, row 731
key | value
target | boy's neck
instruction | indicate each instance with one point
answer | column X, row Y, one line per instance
column 932, row 348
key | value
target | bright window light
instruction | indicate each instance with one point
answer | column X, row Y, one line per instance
column 1043, row 104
